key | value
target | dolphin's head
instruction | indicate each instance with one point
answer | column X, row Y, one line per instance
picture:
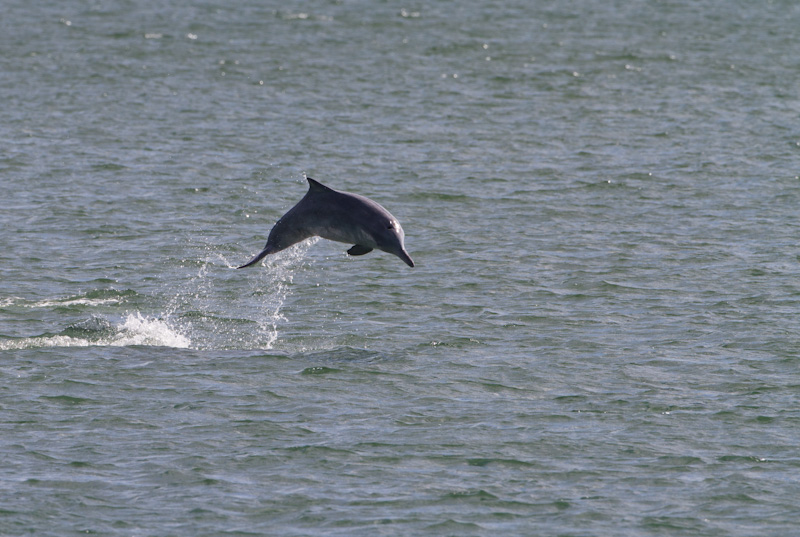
column 389, row 237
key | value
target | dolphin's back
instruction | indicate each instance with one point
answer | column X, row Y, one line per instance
column 339, row 216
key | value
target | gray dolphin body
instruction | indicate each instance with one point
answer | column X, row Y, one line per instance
column 337, row 216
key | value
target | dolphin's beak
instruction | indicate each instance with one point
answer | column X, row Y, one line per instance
column 405, row 257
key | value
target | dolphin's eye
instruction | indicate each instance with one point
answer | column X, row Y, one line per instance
column 390, row 225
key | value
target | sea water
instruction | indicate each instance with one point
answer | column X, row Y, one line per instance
column 600, row 336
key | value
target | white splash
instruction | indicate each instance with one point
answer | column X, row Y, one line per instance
column 277, row 278
column 223, row 308
column 135, row 329
column 138, row 330
column 216, row 308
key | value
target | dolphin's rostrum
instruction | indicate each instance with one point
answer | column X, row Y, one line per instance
column 337, row 216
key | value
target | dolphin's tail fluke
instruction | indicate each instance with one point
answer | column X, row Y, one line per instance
column 266, row 251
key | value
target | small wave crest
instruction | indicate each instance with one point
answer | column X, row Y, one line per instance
column 94, row 298
column 134, row 329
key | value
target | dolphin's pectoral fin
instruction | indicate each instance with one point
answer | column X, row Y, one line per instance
column 359, row 250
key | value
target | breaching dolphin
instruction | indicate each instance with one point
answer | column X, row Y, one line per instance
column 337, row 216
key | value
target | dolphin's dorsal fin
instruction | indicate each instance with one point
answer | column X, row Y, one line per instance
column 316, row 186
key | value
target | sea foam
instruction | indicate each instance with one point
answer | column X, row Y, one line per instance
column 134, row 329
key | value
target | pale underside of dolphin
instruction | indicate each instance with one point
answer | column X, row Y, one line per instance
column 337, row 216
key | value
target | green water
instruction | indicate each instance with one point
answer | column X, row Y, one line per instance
column 600, row 335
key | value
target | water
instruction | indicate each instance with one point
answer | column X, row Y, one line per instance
column 600, row 336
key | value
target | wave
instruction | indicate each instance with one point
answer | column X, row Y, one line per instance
column 202, row 312
column 98, row 297
column 134, row 329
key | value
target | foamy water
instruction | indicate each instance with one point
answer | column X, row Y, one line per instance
column 134, row 329
column 58, row 302
column 196, row 316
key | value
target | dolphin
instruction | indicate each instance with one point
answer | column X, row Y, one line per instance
column 337, row 216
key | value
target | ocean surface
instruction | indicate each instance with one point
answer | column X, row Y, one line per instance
column 601, row 336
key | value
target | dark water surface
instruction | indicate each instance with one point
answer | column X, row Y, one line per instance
column 600, row 336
